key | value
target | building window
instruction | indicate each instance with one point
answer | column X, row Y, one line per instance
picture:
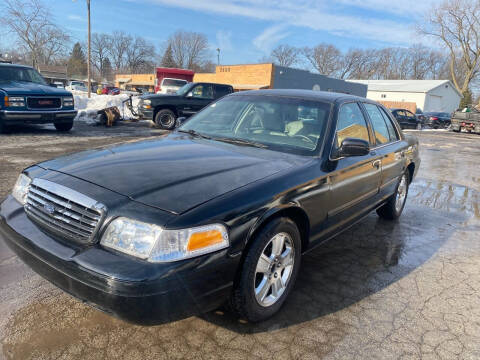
column 383, row 96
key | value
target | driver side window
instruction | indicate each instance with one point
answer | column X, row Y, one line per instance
column 202, row 92
column 351, row 124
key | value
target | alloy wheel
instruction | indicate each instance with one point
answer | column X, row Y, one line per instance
column 274, row 269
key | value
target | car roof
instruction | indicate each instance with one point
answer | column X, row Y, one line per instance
column 304, row 94
column 209, row 83
column 14, row 65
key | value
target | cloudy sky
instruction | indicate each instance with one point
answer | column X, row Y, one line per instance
column 247, row 30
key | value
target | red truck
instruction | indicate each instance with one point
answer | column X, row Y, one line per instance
column 170, row 79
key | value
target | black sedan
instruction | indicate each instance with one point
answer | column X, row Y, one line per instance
column 437, row 120
column 220, row 209
column 406, row 119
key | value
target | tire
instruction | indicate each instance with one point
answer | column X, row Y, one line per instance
column 65, row 126
column 165, row 119
column 259, row 277
column 393, row 208
column 3, row 127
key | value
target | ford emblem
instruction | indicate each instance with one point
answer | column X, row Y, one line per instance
column 49, row 208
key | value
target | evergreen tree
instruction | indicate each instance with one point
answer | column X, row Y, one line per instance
column 167, row 59
column 467, row 99
column 77, row 63
column 107, row 71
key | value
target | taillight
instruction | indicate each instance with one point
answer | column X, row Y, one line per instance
column 434, row 118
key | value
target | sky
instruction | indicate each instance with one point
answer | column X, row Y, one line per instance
column 247, row 30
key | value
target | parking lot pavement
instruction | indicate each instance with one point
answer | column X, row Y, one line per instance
column 381, row 290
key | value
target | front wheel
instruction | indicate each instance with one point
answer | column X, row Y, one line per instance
column 166, row 119
column 393, row 208
column 66, row 126
column 269, row 271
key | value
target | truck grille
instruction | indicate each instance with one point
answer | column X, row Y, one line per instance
column 63, row 211
column 44, row 102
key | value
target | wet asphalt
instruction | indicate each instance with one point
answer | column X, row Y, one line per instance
column 381, row 290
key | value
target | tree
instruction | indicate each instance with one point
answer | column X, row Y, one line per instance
column 189, row 49
column 100, row 51
column 467, row 99
column 30, row 22
column 107, row 72
column 456, row 23
column 325, row 58
column 285, row 55
column 167, row 58
column 77, row 63
column 139, row 55
column 119, row 44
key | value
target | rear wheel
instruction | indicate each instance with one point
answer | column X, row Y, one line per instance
column 393, row 208
column 269, row 271
column 65, row 126
column 166, row 119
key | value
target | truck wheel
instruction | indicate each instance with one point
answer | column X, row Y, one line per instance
column 268, row 272
column 65, row 126
column 3, row 127
column 393, row 208
column 166, row 119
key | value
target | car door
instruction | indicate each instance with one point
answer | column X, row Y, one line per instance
column 354, row 181
column 411, row 119
column 388, row 148
column 199, row 97
column 401, row 117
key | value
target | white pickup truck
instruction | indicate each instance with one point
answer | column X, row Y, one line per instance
column 170, row 86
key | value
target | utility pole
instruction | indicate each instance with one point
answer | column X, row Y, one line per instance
column 218, row 56
column 89, row 52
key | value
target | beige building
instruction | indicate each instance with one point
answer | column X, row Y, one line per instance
column 241, row 77
column 132, row 81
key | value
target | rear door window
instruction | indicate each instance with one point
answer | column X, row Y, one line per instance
column 391, row 127
column 221, row 90
column 380, row 129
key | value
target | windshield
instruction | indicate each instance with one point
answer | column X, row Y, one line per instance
column 11, row 73
column 280, row 123
column 173, row 82
column 184, row 89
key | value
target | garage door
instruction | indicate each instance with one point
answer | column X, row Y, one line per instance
column 433, row 103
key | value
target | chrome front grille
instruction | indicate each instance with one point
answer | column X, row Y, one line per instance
column 63, row 211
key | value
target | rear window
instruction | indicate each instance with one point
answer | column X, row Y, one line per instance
column 173, row 82
column 222, row 90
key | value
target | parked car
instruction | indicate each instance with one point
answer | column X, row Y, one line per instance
column 170, row 86
column 420, row 116
column 407, row 119
column 437, row 120
column 110, row 90
column 58, row 84
column 164, row 109
column 76, row 86
column 25, row 97
column 220, row 209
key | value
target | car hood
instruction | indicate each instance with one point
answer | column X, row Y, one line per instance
column 28, row 88
column 176, row 173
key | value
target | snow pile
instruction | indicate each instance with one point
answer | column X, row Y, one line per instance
column 87, row 108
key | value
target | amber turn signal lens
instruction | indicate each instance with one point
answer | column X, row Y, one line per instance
column 204, row 239
column 5, row 100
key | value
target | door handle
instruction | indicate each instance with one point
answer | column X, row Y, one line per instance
column 377, row 164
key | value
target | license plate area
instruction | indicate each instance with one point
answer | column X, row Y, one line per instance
column 48, row 117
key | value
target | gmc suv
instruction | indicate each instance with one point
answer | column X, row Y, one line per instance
column 25, row 97
column 164, row 109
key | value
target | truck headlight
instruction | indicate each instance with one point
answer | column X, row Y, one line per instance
column 14, row 101
column 20, row 189
column 147, row 104
column 155, row 244
column 68, row 101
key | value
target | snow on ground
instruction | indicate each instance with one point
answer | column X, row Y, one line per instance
column 87, row 108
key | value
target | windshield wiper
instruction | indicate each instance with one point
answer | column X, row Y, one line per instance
column 194, row 133
column 241, row 142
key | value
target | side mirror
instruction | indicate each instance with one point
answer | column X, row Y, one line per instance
column 180, row 121
column 354, row 147
column 189, row 95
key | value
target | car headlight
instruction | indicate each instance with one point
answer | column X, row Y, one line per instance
column 20, row 189
column 155, row 244
column 147, row 104
column 68, row 101
column 14, row 101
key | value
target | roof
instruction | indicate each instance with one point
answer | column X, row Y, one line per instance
column 250, row 86
column 305, row 94
column 418, row 86
column 123, row 80
column 15, row 65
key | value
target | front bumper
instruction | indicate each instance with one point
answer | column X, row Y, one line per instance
column 11, row 117
column 131, row 289
column 145, row 114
